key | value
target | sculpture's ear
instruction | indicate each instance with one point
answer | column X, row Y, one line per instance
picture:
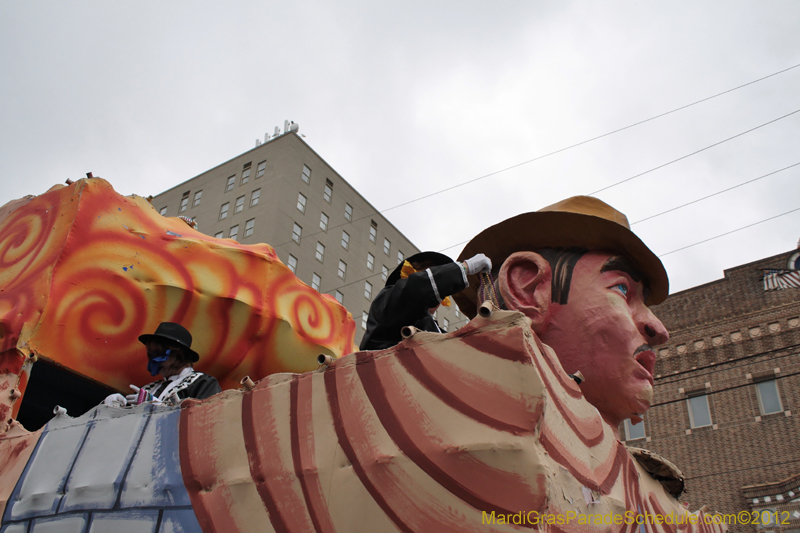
column 525, row 285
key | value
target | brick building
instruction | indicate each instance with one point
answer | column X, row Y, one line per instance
column 727, row 392
column 284, row 194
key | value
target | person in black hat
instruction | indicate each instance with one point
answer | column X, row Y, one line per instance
column 413, row 291
column 170, row 355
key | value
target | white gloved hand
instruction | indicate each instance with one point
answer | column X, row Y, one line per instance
column 477, row 264
column 133, row 398
column 115, row 400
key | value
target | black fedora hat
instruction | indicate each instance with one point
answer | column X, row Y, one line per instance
column 172, row 332
column 435, row 257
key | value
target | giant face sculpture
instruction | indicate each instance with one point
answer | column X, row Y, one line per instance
column 594, row 311
column 606, row 332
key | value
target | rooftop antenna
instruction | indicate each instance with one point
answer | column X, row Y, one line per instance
column 277, row 132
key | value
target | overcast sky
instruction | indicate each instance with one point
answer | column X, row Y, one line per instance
column 408, row 98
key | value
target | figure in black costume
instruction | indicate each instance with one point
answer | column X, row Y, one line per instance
column 169, row 354
column 413, row 291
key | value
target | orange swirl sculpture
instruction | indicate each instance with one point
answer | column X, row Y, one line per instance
column 84, row 271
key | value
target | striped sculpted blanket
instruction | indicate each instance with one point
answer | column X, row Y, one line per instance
column 477, row 430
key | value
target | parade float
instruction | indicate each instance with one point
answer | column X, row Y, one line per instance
column 476, row 430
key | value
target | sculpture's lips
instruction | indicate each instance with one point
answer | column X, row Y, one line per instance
column 647, row 359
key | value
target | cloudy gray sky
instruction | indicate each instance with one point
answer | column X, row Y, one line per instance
column 408, row 98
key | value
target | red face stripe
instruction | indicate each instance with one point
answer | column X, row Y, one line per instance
column 589, row 431
column 563, row 378
column 491, row 407
column 405, row 432
column 209, row 508
column 491, row 345
column 331, row 388
column 596, row 479
column 266, row 468
column 301, row 420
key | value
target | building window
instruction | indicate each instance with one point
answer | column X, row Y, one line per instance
column 260, row 169
column 320, row 255
column 197, row 196
column 387, row 246
column 400, row 257
column 769, row 401
column 246, row 174
column 348, row 212
column 384, row 272
column 301, row 202
column 769, row 518
column 342, row 269
column 297, row 231
column 345, row 240
column 323, row 222
column 370, row 261
column 699, row 414
column 339, row 297
column 445, row 323
column 306, row 175
column 364, row 316
column 223, row 211
column 249, row 226
column 373, row 231
column 163, row 211
column 184, row 204
column 634, row 431
column 254, row 197
column 292, row 264
column 237, row 208
column 234, row 234
column 327, row 193
column 316, row 281
column 367, row 290
column 219, row 235
column 230, row 183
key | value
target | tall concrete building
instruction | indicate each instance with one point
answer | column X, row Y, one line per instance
column 727, row 393
column 284, row 194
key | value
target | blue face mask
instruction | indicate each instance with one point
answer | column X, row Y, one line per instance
column 155, row 363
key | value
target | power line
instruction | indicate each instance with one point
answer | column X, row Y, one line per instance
column 725, row 366
column 662, row 255
column 743, row 469
column 732, row 231
column 594, row 139
column 700, row 199
column 605, row 188
column 714, row 194
column 711, row 393
column 709, row 239
column 377, row 212
column 693, row 153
